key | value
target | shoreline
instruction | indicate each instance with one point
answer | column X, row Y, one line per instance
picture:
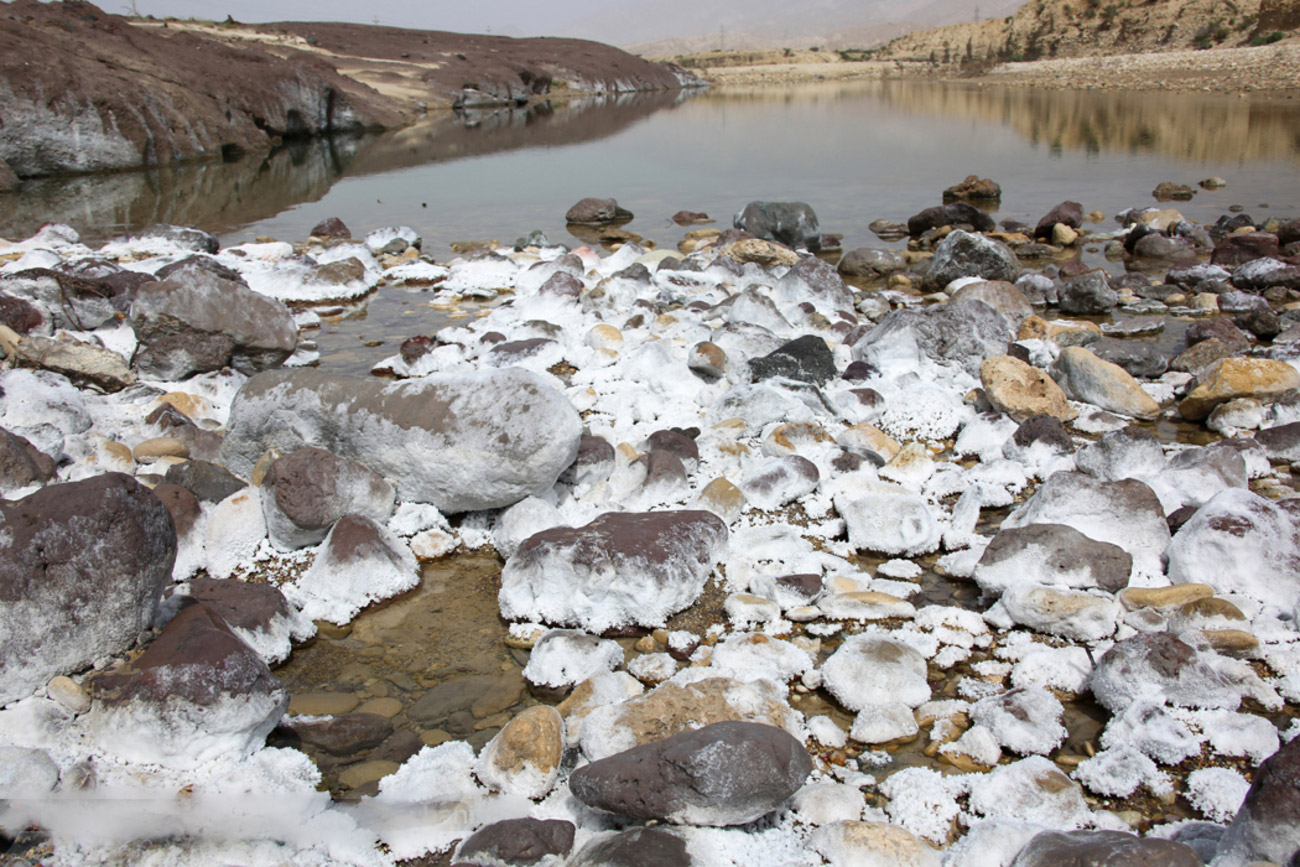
column 1271, row 72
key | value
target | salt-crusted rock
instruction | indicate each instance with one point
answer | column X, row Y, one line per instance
column 813, row 281
column 1240, row 542
column 870, row 670
column 1113, row 848
column 563, row 658
column 26, row 773
column 671, row 708
column 959, row 335
column 195, row 322
column 963, row 254
column 1031, row 790
column 82, row 568
column 1072, row 614
column 198, row 692
column 791, row 223
column 1026, row 721
column 887, row 518
column 83, row 363
column 638, row 847
column 1126, row 513
column 620, row 569
column 871, row 844
column 1267, row 827
column 43, row 407
column 1128, row 453
column 1051, row 555
column 1002, row 296
column 881, row 723
column 1281, row 443
column 728, row 773
column 593, row 463
column 516, row 841
column 524, row 757
column 1231, row 378
column 779, row 481
column 526, row 517
column 359, row 562
column 257, row 613
column 1159, row 665
column 459, row 441
column 1022, row 391
column 307, row 490
column 1085, row 377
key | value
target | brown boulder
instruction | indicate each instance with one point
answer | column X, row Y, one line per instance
column 974, row 187
column 1231, row 378
column 1022, row 391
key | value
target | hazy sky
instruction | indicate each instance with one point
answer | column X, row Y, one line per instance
column 510, row 17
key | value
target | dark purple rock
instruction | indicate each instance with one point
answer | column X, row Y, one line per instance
column 210, row 482
column 1088, row 293
column 516, row 841
column 1103, row 849
column 18, row 314
column 807, row 586
column 955, row 214
column 21, row 463
column 595, row 212
column 1267, row 827
column 415, row 348
column 1242, row 247
column 307, row 490
column 243, row 605
column 639, row 847
column 805, row 359
column 1043, row 429
column 514, row 351
column 856, row 372
column 75, row 303
column 181, row 504
column 197, row 658
column 356, row 538
column 1069, row 213
column 1203, row 355
column 728, row 773
column 331, row 228
column 1263, row 323
column 1154, row 245
column 561, row 284
column 594, row 463
column 1281, row 443
column 346, row 734
column 662, row 468
column 1219, row 328
column 676, row 443
column 92, row 598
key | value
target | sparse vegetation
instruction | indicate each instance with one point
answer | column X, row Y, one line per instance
column 1266, row 38
column 1211, row 34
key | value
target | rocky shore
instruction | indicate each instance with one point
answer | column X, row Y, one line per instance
column 889, row 557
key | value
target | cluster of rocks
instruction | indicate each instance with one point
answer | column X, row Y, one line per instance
column 756, row 470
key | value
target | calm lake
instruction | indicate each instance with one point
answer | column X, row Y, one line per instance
column 855, row 151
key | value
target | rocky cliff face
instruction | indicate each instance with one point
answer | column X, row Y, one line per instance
column 1082, row 28
column 82, row 90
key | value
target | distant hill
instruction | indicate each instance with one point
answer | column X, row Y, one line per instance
column 667, row 27
column 1083, row 28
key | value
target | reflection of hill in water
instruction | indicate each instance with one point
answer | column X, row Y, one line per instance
column 1181, row 127
column 221, row 197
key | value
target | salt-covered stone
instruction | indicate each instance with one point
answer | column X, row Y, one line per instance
column 620, row 569
column 1057, row 849
column 565, row 657
column 524, row 757
column 359, row 562
column 1073, row 614
column 869, row 670
column 871, row 844
column 1026, row 721
column 485, row 439
column 1159, row 665
column 307, row 490
column 887, row 518
column 1052, row 555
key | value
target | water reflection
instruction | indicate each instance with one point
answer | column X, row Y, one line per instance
column 223, row 196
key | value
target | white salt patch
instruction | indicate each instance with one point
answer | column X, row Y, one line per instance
column 880, row 723
column 566, row 657
column 1024, row 721
column 1120, row 772
column 978, row 743
column 235, row 528
column 750, row 657
column 1063, row 668
column 1233, row 734
column 821, row 803
column 1030, row 790
column 1217, row 793
column 410, row 518
column 904, row 569
column 923, row 801
column 1149, row 726
column 653, row 667
column 827, row 732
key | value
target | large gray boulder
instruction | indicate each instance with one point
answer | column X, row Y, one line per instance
column 728, row 773
column 963, row 254
column 959, row 334
column 461, row 442
column 82, row 567
column 623, row 568
column 791, row 223
column 195, row 322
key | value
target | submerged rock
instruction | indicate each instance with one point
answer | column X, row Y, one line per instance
column 728, row 773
